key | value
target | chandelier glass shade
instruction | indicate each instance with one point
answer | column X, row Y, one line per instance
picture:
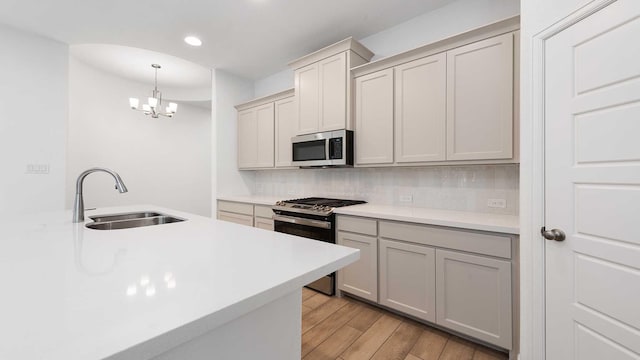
column 153, row 106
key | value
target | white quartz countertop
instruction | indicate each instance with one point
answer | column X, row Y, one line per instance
column 251, row 199
column 509, row 224
column 467, row 220
column 69, row 292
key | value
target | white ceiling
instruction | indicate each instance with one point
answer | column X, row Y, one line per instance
column 250, row 38
column 135, row 64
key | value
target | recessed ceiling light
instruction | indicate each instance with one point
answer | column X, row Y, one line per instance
column 193, row 41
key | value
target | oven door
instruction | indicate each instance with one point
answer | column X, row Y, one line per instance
column 312, row 228
column 309, row 228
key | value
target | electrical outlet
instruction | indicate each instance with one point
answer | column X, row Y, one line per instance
column 37, row 169
column 497, row 203
column 406, row 198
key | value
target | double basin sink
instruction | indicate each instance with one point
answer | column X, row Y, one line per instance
column 130, row 220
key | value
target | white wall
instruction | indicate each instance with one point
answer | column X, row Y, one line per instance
column 274, row 83
column 229, row 90
column 536, row 16
column 33, row 99
column 164, row 162
column 446, row 21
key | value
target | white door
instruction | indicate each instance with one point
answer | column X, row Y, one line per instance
column 592, row 186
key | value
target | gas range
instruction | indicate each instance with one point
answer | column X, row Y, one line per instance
column 312, row 218
column 314, row 205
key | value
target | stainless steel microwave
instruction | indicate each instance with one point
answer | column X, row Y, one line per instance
column 325, row 149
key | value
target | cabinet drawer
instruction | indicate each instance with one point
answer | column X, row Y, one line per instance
column 263, row 211
column 357, row 225
column 235, row 218
column 477, row 242
column 263, row 223
column 235, row 207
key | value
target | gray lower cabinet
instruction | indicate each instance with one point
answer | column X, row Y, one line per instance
column 241, row 219
column 361, row 277
column 459, row 279
column 263, row 217
column 408, row 278
column 239, row 213
column 474, row 296
column 260, row 216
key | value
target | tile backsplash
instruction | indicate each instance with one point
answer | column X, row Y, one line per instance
column 463, row 188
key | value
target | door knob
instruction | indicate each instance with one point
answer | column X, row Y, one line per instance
column 553, row 234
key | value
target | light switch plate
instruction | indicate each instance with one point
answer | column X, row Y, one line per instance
column 497, row 203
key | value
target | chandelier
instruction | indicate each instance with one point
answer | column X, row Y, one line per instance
column 155, row 102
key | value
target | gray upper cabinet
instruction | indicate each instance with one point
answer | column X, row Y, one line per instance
column 255, row 137
column 420, row 110
column 374, row 118
column 323, row 86
column 285, row 121
column 265, row 128
column 307, row 88
column 452, row 102
column 480, row 100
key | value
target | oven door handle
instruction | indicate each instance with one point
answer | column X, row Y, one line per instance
column 303, row 221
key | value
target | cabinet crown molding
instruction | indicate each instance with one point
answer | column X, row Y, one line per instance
column 265, row 99
column 483, row 32
column 341, row 46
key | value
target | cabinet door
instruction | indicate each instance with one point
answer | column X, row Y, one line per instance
column 333, row 92
column 474, row 296
column 420, row 110
column 265, row 136
column 407, row 278
column 247, row 138
column 285, row 130
column 480, row 100
column 235, row 218
column 374, row 118
column 263, row 223
column 361, row 277
column 307, row 89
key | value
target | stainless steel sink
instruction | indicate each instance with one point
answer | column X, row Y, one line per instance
column 125, row 216
column 130, row 220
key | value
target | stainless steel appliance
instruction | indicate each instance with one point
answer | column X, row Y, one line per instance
column 312, row 218
column 325, row 149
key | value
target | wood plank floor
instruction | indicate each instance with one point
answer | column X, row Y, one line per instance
column 346, row 329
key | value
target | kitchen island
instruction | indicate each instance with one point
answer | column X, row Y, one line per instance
column 195, row 289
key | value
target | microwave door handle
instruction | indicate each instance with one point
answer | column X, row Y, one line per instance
column 327, row 147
